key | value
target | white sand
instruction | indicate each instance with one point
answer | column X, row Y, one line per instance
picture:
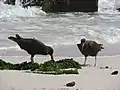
column 90, row 78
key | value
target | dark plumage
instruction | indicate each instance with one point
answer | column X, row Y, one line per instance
column 32, row 46
column 89, row 48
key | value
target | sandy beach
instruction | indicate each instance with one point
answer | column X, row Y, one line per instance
column 89, row 78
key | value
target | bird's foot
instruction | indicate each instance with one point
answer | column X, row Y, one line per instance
column 52, row 60
column 32, row 61
column 95, row 65
column 85, row 65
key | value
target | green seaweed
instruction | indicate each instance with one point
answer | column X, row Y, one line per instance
column 48, row 67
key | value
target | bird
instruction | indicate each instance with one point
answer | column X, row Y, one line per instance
column 32, row 46
column 89, row 48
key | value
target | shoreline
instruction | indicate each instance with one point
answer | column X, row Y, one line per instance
column 41, row 59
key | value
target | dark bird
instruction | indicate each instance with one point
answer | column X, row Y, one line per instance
column 32, row 46
column 89, row 48
column 70, row 84
column 114, row 73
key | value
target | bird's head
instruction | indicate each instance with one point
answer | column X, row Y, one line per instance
column 83, row 40
column 50, row 52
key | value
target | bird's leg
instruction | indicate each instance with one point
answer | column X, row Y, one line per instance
column 95, row 62
column 32, row 58
column 85, row 60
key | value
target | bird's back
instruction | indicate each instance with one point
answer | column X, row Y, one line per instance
column 91, row 48
column 31, row 45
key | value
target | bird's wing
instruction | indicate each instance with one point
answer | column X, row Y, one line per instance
column 25, row 43
column 38, row 42
column 94, row 46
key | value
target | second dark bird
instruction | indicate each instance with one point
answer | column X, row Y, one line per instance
column 89, row 48
column 32, row 46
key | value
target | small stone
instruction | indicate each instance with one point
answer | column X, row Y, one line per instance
column 106, row 67
column 114, row 73
column 70, row 84
column 101, row 67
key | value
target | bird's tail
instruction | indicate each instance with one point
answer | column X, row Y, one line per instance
column 13, row 38
column 78, row 45
column 18, row 36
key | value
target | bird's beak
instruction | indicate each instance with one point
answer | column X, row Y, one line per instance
column 83, row 45
column 52, row 58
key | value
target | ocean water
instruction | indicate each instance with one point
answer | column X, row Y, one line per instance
column 61, row 31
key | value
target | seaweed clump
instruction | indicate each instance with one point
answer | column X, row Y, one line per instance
column 20, row 66
column 61, row 64
column 5, row 65
column 64, row 66
column 26, row 66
